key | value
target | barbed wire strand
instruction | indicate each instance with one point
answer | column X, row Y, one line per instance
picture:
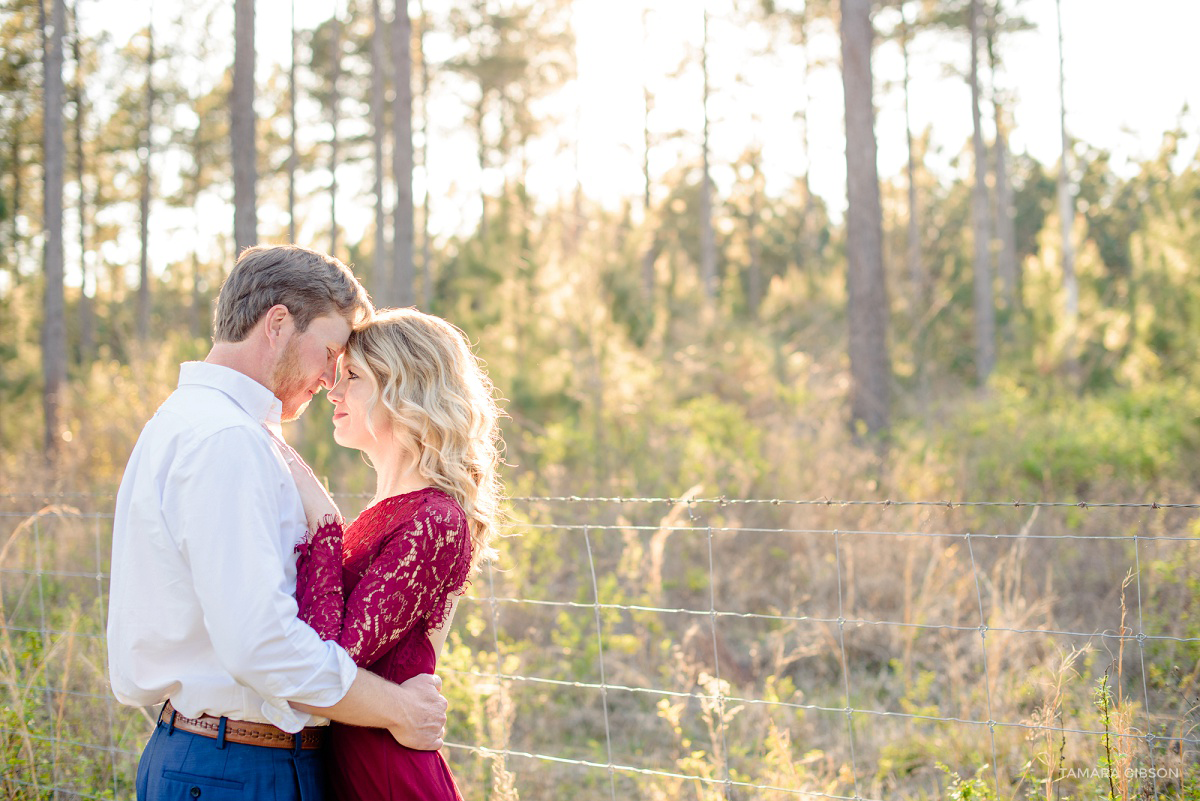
column 724, row 501
column 74, row 793
column 57, row 691
column 720, row 699
column 987, row 677
column 924, row 535
column 849, row 709
column 948, row 504
column 583, row 685
column 931, row 627
column 484, row 751
column 612, row 781
column 883, row 713
column 71, row 743
column 763, row 530
column 1108, row 635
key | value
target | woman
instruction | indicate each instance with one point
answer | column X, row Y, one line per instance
column 417, row 402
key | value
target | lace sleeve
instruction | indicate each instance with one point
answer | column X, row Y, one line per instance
column 319, row 579
column 424, row 558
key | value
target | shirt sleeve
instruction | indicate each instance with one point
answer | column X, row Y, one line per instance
column 229, row 534
column 421, row 561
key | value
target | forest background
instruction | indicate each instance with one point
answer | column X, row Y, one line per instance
column 692, row 318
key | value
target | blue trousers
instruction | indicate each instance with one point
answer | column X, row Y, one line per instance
column 181, row 766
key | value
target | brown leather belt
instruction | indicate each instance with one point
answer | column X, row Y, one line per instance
column 242, row 731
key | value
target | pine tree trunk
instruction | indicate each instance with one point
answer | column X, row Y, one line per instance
column 378, row 80
column 426, row 249
column 650, row 256
column 293, row 157
column 1006, row 260
column 87, row 322
column 985, row 307
column 16, row 165
column 916, row 269
column 242, row 136
column 196, row 314
column 143, row 296
column 54, row 345
column 402, row 156
column 195, row 317
column 918, row 281
column 335, row 101
column 1007, row 264
column 480, row 112
column 708, row 244
column 754, row 279
column 808, row 233
column 870, row 364
column 1066, row 200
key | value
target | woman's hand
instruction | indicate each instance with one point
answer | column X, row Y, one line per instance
column 318, row 506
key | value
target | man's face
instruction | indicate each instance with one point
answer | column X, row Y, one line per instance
column 308, row 363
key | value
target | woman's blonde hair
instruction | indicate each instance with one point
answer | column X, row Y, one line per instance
column 437, row 391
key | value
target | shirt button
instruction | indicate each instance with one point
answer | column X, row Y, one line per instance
column 195, row 792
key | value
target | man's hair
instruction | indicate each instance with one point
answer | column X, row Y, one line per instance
column 308, row 283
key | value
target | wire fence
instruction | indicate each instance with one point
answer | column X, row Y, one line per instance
column 722, row 648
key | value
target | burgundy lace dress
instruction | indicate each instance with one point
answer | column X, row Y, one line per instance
column 378, row 589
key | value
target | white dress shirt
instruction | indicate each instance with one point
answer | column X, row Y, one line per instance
column 201, row 607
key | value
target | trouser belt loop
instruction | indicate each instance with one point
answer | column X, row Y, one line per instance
column 297, row 744
column 171, row 725
column 221, row 732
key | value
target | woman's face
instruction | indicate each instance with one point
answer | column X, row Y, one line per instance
column 351, row 398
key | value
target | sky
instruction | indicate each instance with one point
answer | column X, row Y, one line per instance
column 1130, row 68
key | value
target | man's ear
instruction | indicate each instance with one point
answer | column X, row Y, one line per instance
column 277, row 325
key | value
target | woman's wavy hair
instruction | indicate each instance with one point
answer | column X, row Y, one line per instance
column 439, row 394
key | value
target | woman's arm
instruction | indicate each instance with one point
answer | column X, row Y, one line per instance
column 319, row 580
column 424, row 558
column 319, row 564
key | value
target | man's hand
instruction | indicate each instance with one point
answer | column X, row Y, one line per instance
column 422, row 712
column 414, row 712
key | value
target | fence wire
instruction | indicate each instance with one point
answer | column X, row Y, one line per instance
column 721, row 648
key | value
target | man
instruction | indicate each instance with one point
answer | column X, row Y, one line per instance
column 201, row 609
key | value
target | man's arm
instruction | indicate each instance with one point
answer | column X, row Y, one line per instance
column 414, row 712
column 228, row 534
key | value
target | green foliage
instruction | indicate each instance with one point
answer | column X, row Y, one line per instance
column 1022, row 443
column 619, row 381
column 973, row 789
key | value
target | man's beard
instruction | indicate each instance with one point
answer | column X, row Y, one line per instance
column 288, row 382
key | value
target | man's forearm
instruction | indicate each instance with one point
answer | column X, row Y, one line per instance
column 415, row 711
column 369, row 702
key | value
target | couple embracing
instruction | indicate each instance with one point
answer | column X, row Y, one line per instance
column 242, row 601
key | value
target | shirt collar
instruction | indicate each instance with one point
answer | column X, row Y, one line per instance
column 258, row 401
